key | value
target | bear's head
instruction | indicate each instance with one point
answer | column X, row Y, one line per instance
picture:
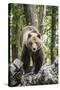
column 34, row 41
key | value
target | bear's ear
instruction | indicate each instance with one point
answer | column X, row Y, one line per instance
column 39, row 36
column 29, row 35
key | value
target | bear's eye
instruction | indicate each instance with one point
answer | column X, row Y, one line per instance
column 29, row 35
column 38, row 35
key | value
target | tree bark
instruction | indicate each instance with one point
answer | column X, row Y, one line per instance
column 14, row 47
column 9, row 10
column 41, row 16
column 53, row 33
column 30, row 14
column 10, row 32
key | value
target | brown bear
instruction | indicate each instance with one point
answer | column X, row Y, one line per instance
column 31, row 47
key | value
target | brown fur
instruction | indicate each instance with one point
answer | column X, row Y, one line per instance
column 32, row 47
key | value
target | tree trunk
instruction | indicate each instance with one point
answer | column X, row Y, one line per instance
column 53, row 33
column 9, row 10
column 13, row 50
column 9, row 33
column 41, row 18
column 30, row 14
column 14, row 45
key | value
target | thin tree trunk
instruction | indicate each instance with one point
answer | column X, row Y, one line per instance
column 14, row 47
column 42, row 12
column 53, row 33
column 30, row 14
column 9, row 10
column 10, row 16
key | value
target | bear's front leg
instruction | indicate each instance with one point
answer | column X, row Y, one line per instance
column 26, row 59
column 38, row 60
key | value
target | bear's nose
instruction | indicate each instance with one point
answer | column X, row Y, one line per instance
column 33, row 48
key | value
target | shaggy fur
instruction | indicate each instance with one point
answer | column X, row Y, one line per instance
column 31, row 47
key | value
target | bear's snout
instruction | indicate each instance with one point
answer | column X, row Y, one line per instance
column 34, row 48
